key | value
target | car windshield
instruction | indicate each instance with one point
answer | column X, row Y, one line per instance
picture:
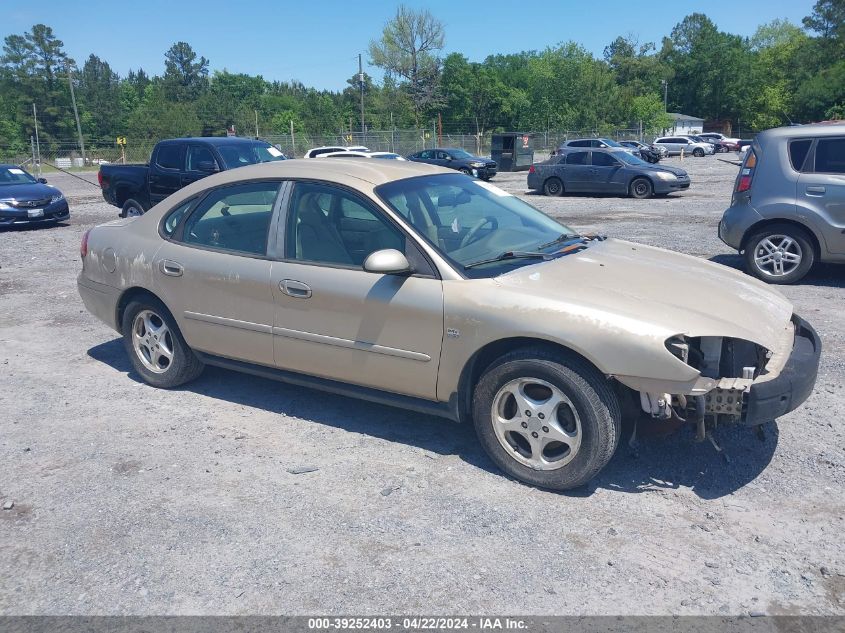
column 388, row 156
column 240, row 154
column 472, row 221
column 460, row 154
column 630, row 159
column 15, row 176
column 610, row 142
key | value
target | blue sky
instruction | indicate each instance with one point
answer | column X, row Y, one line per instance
column 317, row 41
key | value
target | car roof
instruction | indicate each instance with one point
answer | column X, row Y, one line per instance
column 214, row 140
column 350, row 171
column 836, row 128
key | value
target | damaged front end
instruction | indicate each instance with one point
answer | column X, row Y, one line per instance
column 739, row 381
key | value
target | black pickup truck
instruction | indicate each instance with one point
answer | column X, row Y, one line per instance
column 175, row 163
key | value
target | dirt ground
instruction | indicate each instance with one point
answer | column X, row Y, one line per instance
column 131, row 500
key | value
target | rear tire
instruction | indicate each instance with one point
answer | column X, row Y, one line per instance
column 569, row 400
column 780, row 254
column 641, row 188
column 553, row 187
column 131, row 209
column 155, row 345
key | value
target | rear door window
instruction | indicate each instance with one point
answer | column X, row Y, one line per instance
column 830, row 156
column 578, row 158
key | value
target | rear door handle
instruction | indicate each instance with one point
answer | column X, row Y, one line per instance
column 815, row 190
column 294, row 288
column 171, row 268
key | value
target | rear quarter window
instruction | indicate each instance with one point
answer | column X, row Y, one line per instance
column 798, row 150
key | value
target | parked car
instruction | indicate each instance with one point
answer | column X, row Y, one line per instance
column 716, row 136
column 25, row 199
column 675, row 144
column 718, row 146
column 458, row 159
column 604, row 171
column 330, row 149
column 649, row 153
column 175, row 163
column 426, row 289
column 602, row 143
column 788, row 206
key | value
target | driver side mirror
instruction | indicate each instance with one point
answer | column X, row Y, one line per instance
column 387, row 261
column 43, row 181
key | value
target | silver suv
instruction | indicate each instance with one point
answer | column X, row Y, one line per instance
column 788, row 205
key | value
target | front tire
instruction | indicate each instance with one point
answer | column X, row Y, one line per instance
column 698, row 152
column 780, row 254
column 553, row 187
column 155, row 345
column 132, row 209
column 546, row 419
column 466, row 171
column 641, row 188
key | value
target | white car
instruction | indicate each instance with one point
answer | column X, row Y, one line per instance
column 329, row 149
column 675, row 144
column 359, row 154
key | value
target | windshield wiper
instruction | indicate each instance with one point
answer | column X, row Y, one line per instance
column 509, row 255
column 562, row 238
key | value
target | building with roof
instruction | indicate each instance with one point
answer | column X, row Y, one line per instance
column 684, row 124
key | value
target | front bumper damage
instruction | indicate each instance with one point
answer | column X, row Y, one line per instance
column 787, row 382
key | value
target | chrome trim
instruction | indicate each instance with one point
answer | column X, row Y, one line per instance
column 350, row 344
column 235, row 323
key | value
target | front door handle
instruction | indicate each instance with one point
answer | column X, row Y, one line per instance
column 294, row 288
column 171, row 268
column 815, row 190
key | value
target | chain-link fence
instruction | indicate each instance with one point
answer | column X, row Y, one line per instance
column 67, row 154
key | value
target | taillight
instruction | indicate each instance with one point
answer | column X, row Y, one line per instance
column 531, row 169
column 100, row 178
column 83, row 247
column 747, row 173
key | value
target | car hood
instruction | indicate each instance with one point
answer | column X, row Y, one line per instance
column 658, row 292
column 34, row 191
column 675, row 170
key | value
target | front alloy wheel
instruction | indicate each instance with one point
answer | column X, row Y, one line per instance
column 545, row 418
column 537, row 423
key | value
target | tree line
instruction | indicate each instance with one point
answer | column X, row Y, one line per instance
column 783, row 73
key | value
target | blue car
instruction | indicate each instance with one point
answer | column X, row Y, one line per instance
column 25, row 199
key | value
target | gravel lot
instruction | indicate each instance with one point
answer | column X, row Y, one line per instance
column 130, row 500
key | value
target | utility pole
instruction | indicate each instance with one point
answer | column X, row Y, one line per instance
column 665, row 95
column 256, row 124
column 361, row 81
column 37, row 144
column 439, row 130
column 76, row 113
column 292, row 140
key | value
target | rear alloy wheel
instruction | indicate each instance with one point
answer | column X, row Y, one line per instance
column 641, row 188
column 155, row 345
column 780, row 254
column 131, row 209
column 553, row 187
column 698, row 152
column 545, row 419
